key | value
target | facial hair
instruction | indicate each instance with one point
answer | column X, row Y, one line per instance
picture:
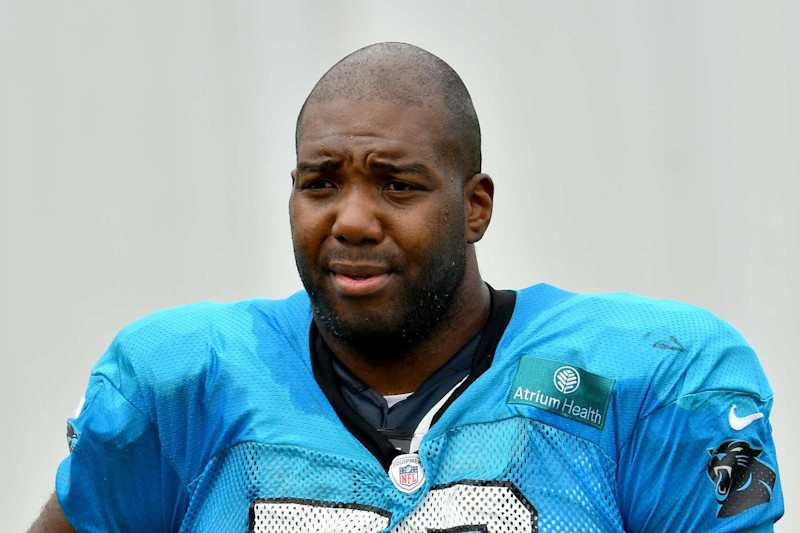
column 419, row 312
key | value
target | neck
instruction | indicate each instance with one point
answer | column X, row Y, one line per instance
column 468, row 314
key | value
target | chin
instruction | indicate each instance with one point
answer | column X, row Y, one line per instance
column 404, row 312
column 385, row 331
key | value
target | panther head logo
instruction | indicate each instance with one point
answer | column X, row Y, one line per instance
column 742, row 481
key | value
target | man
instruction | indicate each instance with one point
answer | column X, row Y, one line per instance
column 400, row 392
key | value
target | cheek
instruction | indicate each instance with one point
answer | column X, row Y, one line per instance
column 425, row 235
column 448, row 220
column 307, row 227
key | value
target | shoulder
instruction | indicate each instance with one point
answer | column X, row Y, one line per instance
column 660, row 324
column 621, row 311
column 176, row 345
column 642, row 354
column 666, row 347
column 193, row 326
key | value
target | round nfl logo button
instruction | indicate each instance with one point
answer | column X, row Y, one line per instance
column 407, row 473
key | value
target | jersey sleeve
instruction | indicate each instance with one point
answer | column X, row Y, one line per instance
column 116, row 477
column 705, row 459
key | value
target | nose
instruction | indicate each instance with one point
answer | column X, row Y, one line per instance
column 357, row 217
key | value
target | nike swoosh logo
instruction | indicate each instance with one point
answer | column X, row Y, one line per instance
column 739, row 423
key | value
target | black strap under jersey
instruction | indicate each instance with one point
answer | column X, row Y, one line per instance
column 502, row 307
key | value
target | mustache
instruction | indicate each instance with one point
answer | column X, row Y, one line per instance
column 361, row 257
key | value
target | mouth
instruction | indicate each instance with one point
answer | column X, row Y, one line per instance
column 723, row 481
column 359, row 280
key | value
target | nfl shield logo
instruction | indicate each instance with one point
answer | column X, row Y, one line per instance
column 408, row 475
column 407, row 472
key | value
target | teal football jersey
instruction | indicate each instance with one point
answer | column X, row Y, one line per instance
column 591, row 413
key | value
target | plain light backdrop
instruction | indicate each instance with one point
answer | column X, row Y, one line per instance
column 145, row 150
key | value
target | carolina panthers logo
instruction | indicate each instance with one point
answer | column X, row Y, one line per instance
column 742, row 481
column 72, row 436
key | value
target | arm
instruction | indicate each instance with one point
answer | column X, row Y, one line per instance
column 704, row 460
column 52, row 519
column 688, row 469
column 120, row 475
column 115, row 478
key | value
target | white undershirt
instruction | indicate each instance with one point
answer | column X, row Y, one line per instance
column 392, row 399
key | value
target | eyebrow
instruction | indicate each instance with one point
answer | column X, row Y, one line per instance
column 325, row 166
column 411, row 168
column 389, row 168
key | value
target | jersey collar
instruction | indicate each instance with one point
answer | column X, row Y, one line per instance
column 502, row 307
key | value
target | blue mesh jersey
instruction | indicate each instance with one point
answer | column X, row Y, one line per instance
column 597, row 413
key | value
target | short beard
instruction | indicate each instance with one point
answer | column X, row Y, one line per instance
column 422, row 310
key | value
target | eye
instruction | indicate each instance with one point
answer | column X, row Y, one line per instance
column 400, row 186
column 318, row 185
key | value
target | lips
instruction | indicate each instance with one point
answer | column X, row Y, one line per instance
column 359, row 279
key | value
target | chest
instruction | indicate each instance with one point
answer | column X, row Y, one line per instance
column 515, row 474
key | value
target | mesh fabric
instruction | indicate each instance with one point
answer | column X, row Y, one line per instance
column 514, row 475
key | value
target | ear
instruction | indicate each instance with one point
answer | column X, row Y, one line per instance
column 478, row 203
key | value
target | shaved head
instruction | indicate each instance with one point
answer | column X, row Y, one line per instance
column 405, row 73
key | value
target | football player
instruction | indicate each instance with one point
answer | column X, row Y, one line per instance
column 399, row 392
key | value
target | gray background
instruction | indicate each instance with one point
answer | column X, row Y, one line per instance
column 145, row 150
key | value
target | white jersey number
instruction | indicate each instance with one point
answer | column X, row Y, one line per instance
column 487, row 507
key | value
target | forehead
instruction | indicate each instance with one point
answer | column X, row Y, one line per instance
column 354, row 127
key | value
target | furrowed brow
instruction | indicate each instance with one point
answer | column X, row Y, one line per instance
column 324, row 166
column 411, row 168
